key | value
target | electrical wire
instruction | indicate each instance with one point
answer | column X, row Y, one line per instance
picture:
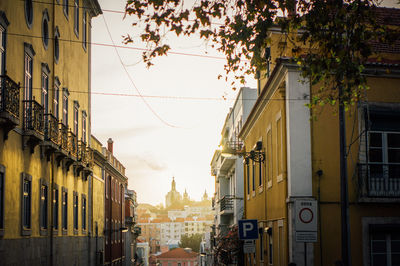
column 133, row 83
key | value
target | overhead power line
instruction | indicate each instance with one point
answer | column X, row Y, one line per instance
column 115, row 46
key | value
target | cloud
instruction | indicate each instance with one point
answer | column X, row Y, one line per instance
column 136, row 163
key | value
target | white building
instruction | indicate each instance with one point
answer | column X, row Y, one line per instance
column 171, row 231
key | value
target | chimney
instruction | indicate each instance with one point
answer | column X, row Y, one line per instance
column 110, row 145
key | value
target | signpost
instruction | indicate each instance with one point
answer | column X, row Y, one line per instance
column 248, row 231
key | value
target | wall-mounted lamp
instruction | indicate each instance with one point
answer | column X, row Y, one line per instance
column 256, row 155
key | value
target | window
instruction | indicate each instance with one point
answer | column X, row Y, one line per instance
column 66, row 8
column 248, row 175
column 83, row 212
column 43, row 206
column 253, row 172
column 28, row 66
column 56, row 96
column 56, row 45
column 270, row 249
column 84, row 30
column 383, row 163
column 76, row 17
column 76, row 118
column 65, row 106
column 75, row 203
column 64, row 209
column 385, row 246
column 26, row 203
column 279, row 144
column 45, row 87
column 29, row 13
column 269, row 157
column 2, row 181
column 84, row 126
column 45, row 29
column 3, row 41
column 55, row 207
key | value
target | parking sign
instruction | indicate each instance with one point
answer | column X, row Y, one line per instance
column 248, row 229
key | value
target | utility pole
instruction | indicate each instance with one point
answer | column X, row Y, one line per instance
column 344, row 195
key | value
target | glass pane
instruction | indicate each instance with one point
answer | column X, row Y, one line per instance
column 395, row 236
column 379, row 260
column 375, row 155
column 378, row 246
column 396, row 246
column 396, row 259
column 394, row 155
column 375, row 139
column 378, row 236
column 393, row 140
column 394, row 171
column 376, row 170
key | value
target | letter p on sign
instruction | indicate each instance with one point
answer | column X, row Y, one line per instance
column 248, row 229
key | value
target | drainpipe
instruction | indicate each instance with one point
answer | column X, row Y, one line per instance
column 52, row 156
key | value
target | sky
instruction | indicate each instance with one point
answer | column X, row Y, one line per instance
column 174, row 129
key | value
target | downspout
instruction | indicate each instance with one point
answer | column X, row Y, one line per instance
column 52, row 157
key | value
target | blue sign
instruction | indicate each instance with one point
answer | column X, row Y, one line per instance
column 248, row 229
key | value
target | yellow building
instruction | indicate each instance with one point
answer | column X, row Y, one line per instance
column 47, row 188
column 291, row 177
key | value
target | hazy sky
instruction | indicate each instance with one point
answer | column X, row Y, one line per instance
column 182, row 144
column 172, row 135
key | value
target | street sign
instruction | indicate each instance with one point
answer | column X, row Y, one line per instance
column 249, row 247
column 248, row 229
column 306, row 220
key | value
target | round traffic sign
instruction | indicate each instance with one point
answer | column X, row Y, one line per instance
column 306, row 215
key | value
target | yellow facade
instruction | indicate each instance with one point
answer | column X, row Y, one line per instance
column 35, row 30
column 301, row 148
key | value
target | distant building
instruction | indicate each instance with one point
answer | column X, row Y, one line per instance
column 143, row 253
column 173, row 196
column 178, row 257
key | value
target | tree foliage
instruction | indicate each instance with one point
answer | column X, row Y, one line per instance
column 329, row 39
column 192, row 242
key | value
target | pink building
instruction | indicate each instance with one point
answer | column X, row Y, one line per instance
column 178, row 257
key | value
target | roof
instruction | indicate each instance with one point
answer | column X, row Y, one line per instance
column 178, row 253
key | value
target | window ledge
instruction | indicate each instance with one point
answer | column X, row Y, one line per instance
column 64, row 231
column 43, row 231
column 279, row 178
column 253, row 193
column 269, row 185
column 260, row 189
column 26, row 232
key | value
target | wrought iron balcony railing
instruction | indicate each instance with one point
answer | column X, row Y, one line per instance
column 9, row 96
column 51, row 128
column 83, row 152
column 226, row 203
column 33, row 116
column 379, row 180
column 63, row 136
column 72, row 144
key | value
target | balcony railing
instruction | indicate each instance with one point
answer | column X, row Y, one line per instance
column 33, row 116
column 63, row 136
column 83, row 153
column 9, row 97
column 379, row 180
column 51, row 128
column 226, row 203
column 72, row 144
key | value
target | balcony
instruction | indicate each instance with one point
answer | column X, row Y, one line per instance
column 73, row 145
column 84, row 159
column 33, row 124
column 62, row 141
column 226, row 205
column 50, row 143
column 379, row 182
column 9, row 104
